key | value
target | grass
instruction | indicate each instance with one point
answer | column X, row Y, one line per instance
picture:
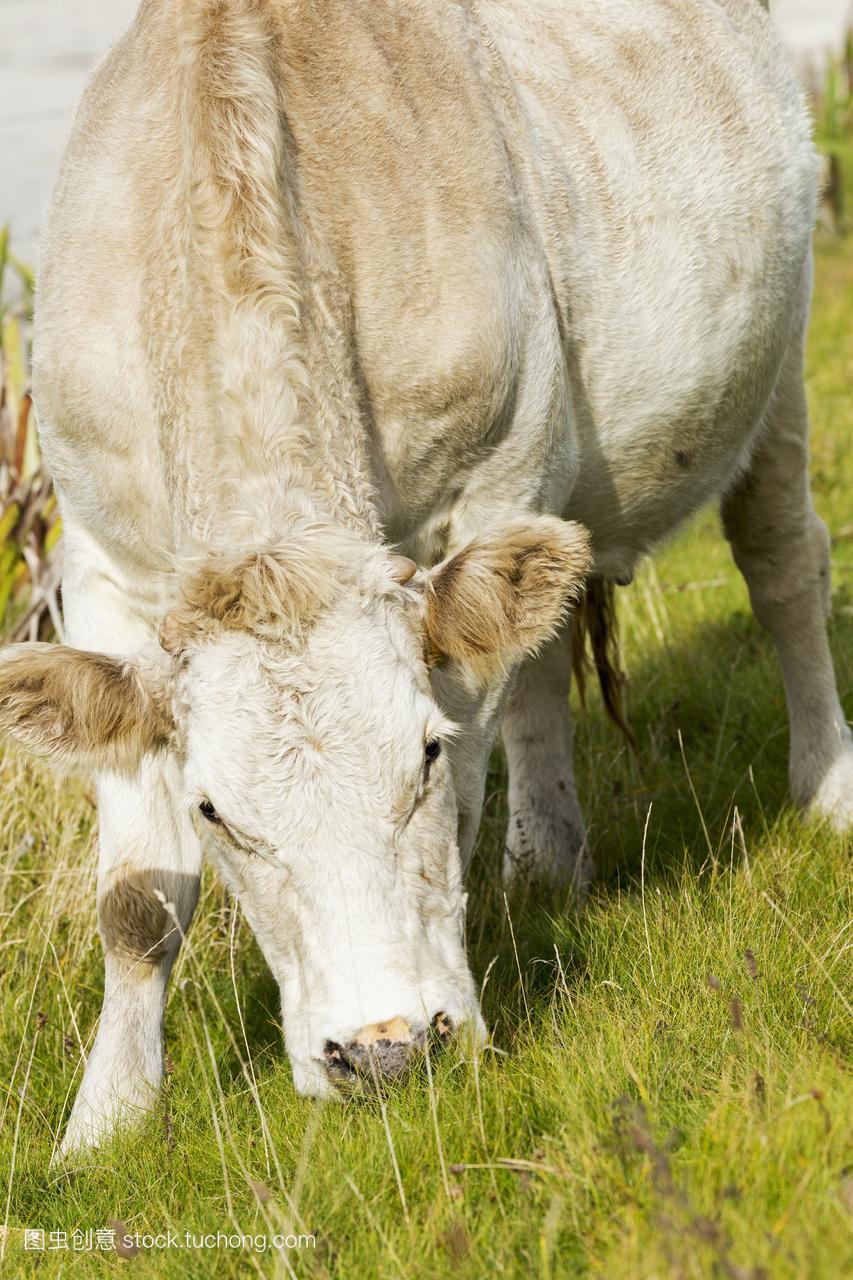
column 670, row 1090
column 30, row 527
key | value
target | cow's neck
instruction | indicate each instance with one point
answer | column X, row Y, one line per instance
column 271, row 430
column 259, row 406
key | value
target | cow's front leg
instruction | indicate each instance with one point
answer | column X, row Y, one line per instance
column 148, row 849
column 147, row 890
column 545, row 834
column 782, row 549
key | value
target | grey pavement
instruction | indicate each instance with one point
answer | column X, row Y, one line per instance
column 47, row 51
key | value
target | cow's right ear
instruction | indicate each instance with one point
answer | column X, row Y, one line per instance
column 81, row 708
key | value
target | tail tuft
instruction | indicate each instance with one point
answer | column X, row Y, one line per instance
column 595, row 643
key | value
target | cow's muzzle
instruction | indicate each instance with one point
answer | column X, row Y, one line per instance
column 382, row 1051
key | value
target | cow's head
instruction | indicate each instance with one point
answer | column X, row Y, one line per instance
column 333, row 708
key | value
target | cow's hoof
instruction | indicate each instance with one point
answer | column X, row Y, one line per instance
column 79, row 1141
column 833, row 800
column 94, row 1121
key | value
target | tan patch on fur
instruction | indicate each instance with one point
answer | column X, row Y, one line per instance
column 397, row 1029
column 275, row 593
column 503, row 596
column 132, row 920
column 69, row 704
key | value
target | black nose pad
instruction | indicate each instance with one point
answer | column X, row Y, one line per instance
column 384, row 1051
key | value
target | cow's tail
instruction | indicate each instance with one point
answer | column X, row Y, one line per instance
column 595, row 644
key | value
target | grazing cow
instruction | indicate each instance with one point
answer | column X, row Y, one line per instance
column 512, row 287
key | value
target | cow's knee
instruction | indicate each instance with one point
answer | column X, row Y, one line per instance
column 783, row 550
column 142, row 913
column 786, row 565
column 545, row 837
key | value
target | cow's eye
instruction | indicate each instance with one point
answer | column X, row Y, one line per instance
column 209, row 814
column 431, row 753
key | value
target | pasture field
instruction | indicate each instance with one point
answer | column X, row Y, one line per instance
column 669, row 1090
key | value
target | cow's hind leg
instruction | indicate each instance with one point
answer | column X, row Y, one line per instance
column 148, row 879
column 545, row 833
column 782, row 549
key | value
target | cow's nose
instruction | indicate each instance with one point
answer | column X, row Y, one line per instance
column 381, row 1051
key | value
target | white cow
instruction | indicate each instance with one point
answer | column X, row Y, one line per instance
column 510, row 286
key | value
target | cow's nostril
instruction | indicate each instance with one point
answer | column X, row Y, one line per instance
column 338, row 1066
column 443, row 1027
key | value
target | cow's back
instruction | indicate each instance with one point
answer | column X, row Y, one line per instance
column 95, row 387
column 402, row 221
column 471, row 186
column 676, row 191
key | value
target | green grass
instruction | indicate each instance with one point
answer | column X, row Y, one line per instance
column 670, row 1092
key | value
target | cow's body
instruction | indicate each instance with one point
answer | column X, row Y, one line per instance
column 423, row 266
column 564, row 245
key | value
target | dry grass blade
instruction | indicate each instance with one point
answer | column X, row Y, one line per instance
column 29, row 520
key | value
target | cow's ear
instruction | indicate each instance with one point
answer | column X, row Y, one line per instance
column 81, row 708
column 502, row 596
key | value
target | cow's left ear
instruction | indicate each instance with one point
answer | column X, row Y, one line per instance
column 82, row 708
column 502, row 596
